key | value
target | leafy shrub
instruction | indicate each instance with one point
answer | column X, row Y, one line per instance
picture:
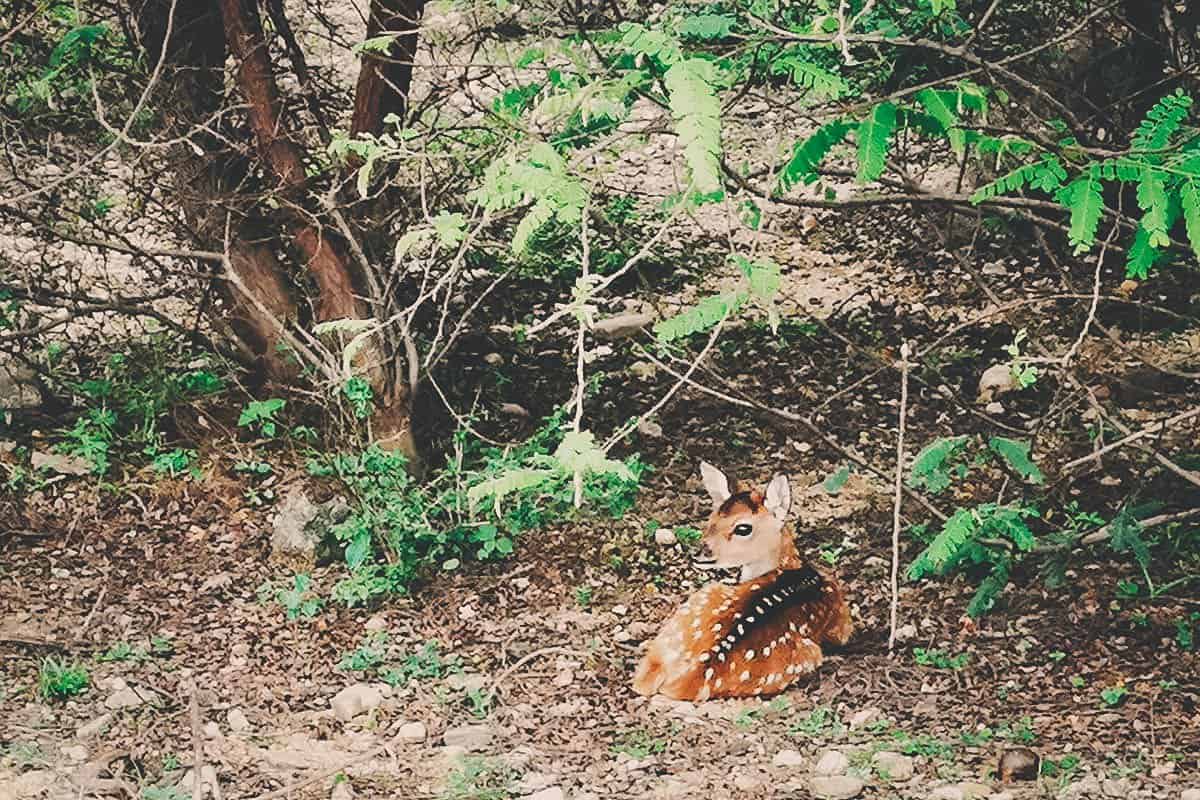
column 474, row 507
column 59, row 680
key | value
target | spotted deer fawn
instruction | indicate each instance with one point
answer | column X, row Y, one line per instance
column 760, row 635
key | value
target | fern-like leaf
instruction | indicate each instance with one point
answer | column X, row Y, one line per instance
column 1016, row 454
column 1162, row 121
column 697, row 112
column 818, row 80
column 874, row 141
column 943, row 106
column 808, row 154
column 1189, row 198
column 931, row 468
column 1006, row 184
column 707, row 27
column 946, row 548
column 1083, row 199
column 1152, row 199
column 988, row 591
column 702, row 316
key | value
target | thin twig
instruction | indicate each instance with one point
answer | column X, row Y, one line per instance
column 899, row 493
column 197, row 745
column 320, row 776
column 1155, row 427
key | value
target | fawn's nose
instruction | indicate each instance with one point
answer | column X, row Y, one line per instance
column 706, row 558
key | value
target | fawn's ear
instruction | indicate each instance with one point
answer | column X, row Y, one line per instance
column 779, row 496
column 715, row 482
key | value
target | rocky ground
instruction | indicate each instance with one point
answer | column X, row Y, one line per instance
column 515, row 680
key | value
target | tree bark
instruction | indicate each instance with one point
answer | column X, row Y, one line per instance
column 324, row 261
column 385, row 79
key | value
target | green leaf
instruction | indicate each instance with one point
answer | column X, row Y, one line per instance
column 817, row 79
column 1189, row 197
column 578, row 452
column 1083, row 199
column 836, row 480
column 943, row 106
column 989, row 589
column 499, row 487
column 874, row 141
column 707, row 26
column 1126, row 537
column 697, row 112
column 700, row 317
column 1152, row 199
column 809, row 153
column 931, row 468
column 1162, row 121
column 1016, row 454
column 946, row 547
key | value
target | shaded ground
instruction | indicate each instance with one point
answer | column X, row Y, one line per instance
column 181, row 567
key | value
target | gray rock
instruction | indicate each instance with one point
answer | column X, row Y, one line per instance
column 208, row 782
column 471, row 738
column 831, row 762
column 90, row 730
column 354, row 700
column 76, row 753
column 212, row 730
column 951, row 792
column 863, row 717
column 1084, row 788
column 788, row 758
column 128, row 697
column 893, row 766
column 664, row 536
column 467, row 682
column 968, row 790
column 412, row 732
column 301, row 536
column 1190, row 794
column 61, row 463
column 621, row 326
column 342, row 790
column 1115, row 787
column 835, row 787
column 995, row 381
column 549, row 793
column 237, row 720
column 18, row 387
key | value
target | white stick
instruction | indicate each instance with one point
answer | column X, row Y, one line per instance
column 899, row 494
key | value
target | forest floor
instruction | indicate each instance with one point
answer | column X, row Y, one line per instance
column 513, row 680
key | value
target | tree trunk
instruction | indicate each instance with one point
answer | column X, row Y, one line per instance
column 257, row 295
column 384, row 79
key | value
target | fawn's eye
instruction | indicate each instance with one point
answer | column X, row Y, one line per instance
column 743, row 529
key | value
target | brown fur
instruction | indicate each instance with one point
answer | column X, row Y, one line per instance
column 758, row 636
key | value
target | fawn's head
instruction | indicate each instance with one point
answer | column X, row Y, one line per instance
column 746, row 529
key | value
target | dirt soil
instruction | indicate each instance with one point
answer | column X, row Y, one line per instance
column 174, row 574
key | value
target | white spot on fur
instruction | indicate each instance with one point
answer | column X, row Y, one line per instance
column 708, row 673
column 749, row 655
column 745, row 676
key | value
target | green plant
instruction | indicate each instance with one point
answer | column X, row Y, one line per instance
column 296, row 596
column 639, row 743
column 367, row 656
column 688, row 535
column 173, row 462
column 1185, row 628
column 583, row 596
column 922, row 745
column 166, row 793
column 122, row 651
column 479, row 778
column 262, row 416
column 1024, row 374
column 819, row 721
column 939, row 659
column 1113, row 695
column 477, row 505
column 59, row 680
column 1078, row 682
column 479, row 702
column 1062, row 769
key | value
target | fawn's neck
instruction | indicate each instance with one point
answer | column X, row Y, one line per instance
column 785, row 557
